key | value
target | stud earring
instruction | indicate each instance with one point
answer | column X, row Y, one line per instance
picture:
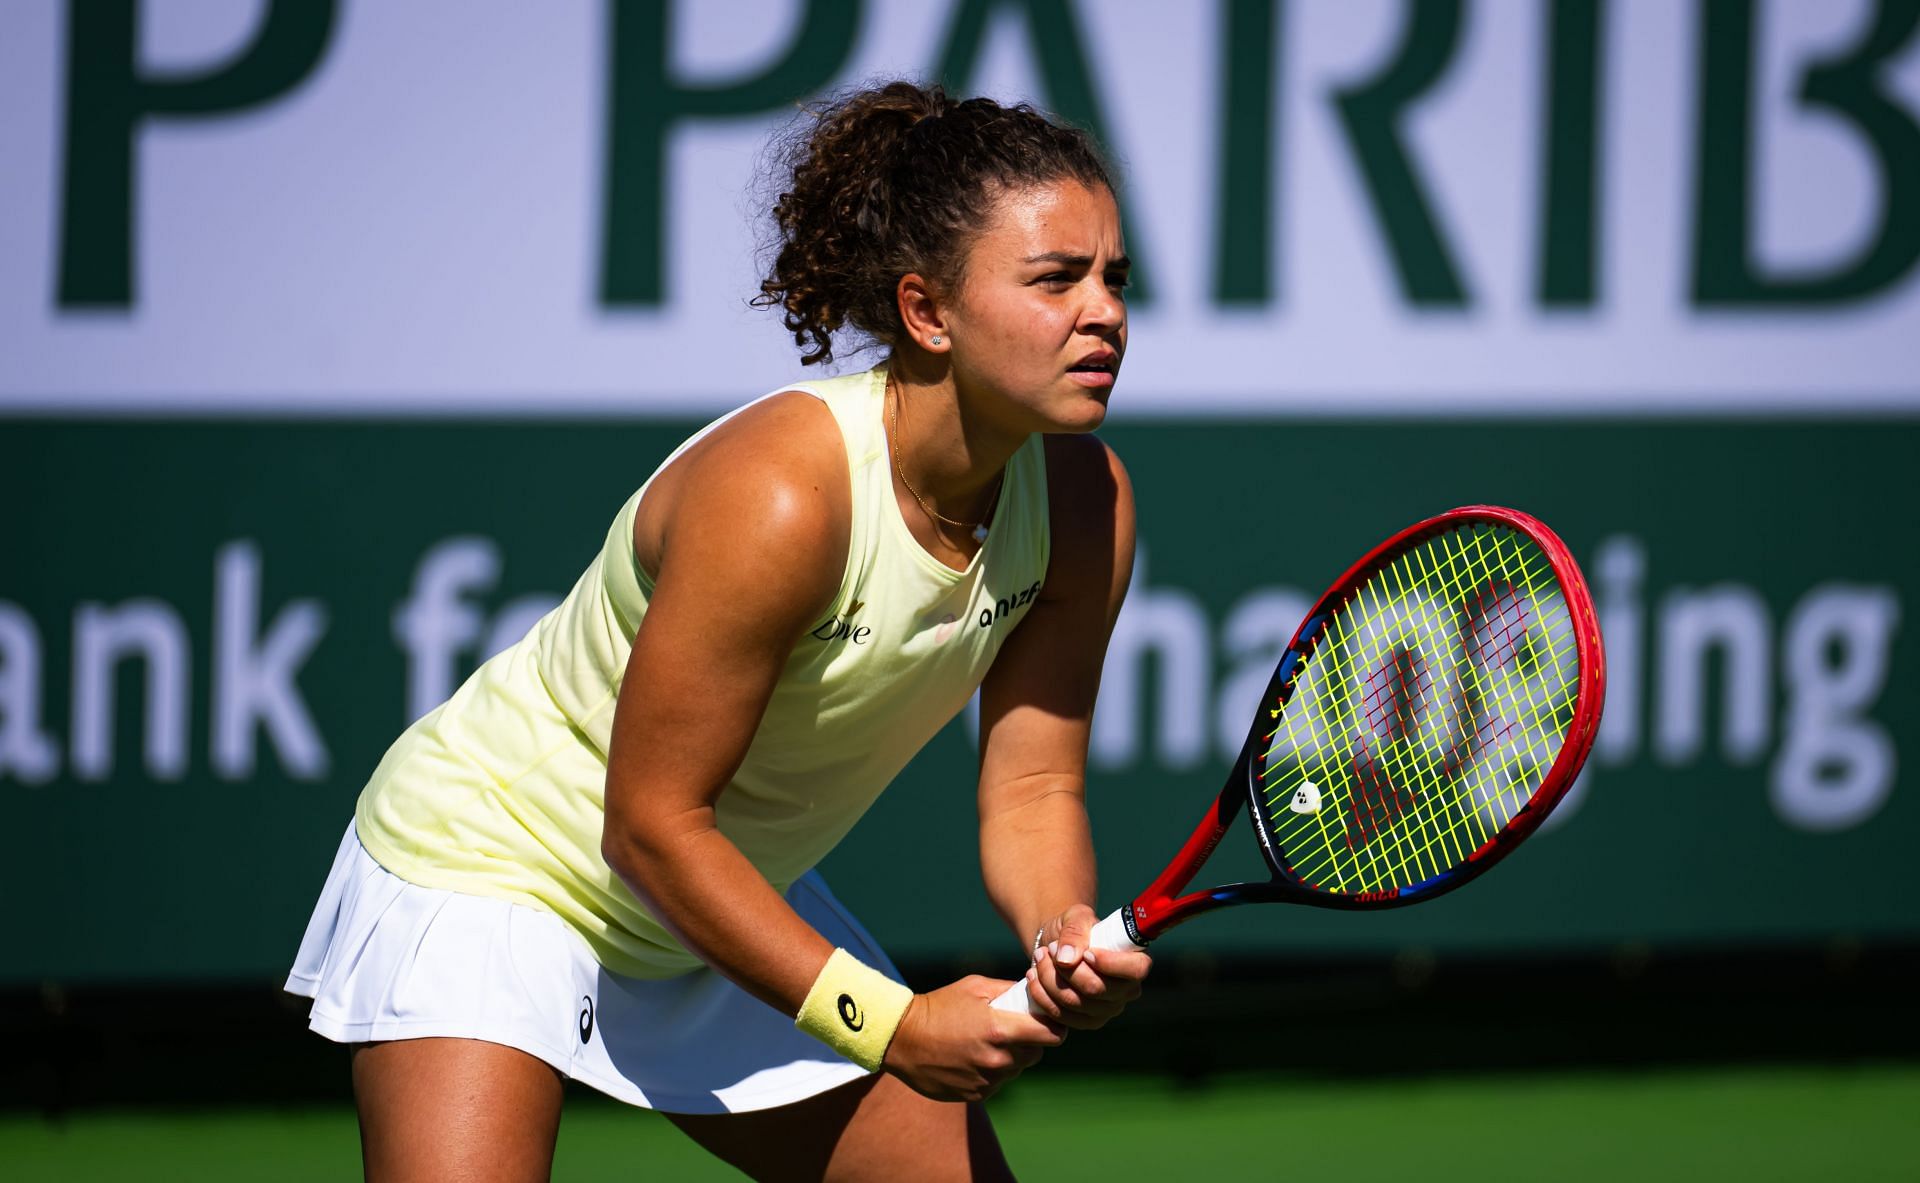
column 936, row 340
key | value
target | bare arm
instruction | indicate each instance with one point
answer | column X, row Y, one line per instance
column 767, row 492
column 1036, row 848
column 718, row 632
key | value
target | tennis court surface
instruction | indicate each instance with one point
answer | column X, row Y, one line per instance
column 1751, row 1124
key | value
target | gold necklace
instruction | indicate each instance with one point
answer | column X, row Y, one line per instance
column 978, row 529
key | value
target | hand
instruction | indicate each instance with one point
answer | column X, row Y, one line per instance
column 952, row 1046
column 1076, row 985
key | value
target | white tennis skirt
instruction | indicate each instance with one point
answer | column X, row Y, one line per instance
column 387, row 959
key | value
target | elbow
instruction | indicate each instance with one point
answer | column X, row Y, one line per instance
column 642, row 847
column 623, row 845
column 615, row 848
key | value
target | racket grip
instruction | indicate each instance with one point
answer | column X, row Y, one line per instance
column 1110, row 934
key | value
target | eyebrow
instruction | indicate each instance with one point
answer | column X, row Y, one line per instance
column 1068, row 259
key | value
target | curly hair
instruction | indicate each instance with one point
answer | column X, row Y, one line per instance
column 895, row 179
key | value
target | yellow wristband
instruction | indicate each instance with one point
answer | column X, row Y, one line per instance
column 853, row 1009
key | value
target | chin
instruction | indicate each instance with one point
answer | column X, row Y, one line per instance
column 1087, row 417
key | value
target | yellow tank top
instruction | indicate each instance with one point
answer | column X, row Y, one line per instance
column 500, row 791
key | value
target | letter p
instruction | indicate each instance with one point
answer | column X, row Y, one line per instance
column 108, row 98
column 649, row 99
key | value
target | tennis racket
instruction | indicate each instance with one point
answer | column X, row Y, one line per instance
column 1431, row 709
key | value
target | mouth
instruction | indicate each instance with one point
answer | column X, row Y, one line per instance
column 1097, row 368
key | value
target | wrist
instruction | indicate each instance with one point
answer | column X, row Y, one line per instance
column 854, row 1009
column 906, row 1032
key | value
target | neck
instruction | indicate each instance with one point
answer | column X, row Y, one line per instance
column 952, row 458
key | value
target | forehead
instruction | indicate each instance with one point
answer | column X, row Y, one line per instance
column 1060, row 217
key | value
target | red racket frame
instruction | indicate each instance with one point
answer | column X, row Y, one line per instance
column 1161, row 905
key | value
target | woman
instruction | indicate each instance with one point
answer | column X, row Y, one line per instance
column 595, row 861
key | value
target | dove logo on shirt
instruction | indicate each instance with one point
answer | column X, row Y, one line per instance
column 842, row 628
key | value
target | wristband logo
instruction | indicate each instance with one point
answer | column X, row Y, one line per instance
column 850, row 1013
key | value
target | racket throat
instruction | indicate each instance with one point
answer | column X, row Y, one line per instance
column 1147, row 918
column 1161, row 905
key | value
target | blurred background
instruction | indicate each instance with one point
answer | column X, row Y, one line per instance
column 333, row 333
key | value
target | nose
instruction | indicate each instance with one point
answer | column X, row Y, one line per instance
column 1104, row 309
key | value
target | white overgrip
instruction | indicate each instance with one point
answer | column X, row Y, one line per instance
column 1110, row 934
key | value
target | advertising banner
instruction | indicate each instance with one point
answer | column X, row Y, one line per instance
column 1533, row 207
column 210, row 632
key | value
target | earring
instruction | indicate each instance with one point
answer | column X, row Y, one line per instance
column 936, row 341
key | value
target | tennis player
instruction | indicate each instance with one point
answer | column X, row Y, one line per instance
column 595, row 861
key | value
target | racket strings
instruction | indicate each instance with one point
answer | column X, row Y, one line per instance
column 1350, row 626
column 1389, row 860
column 1410, row 864
column 1426, row 716
column 1409, row 768
column 1404, row 857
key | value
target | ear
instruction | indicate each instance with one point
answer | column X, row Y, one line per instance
column 923, row 313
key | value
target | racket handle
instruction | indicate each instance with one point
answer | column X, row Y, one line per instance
column 1110, row 934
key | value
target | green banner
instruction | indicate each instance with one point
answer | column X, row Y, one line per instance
column 209, row 632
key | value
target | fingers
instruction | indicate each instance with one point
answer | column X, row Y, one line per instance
column 951, row 1045
column 1072, row 983
column 1071, row 996
column 1117, row 967
column 1090, row 991
column 1073, row 938
column 1041, row 1030
column 1020, row 1040
column 1076, row 986
column 1037, row 1032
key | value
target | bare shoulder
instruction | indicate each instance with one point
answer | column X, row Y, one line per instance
column 1085, row 477
column 768, row 487
column 1090, row 500
column 788, row 448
